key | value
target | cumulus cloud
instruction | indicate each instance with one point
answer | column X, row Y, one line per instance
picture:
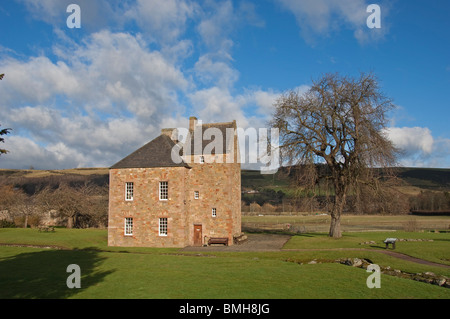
column 95, row 15
column 163, row 20
column 419, row 147
column 412, row 139
column 108, row 94
column 323, row 17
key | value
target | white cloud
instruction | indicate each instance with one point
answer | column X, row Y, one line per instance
column 411, row 139
column 214, row 71
column 24, row 153
column 163, row 20
column 324, row 17
column 101, row 100
column 419, row 147
column 95, row 15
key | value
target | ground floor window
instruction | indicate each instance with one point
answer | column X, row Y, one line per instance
column 128, row 226
column 163, row 227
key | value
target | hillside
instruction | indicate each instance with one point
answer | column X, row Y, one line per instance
column 413, row 179
column 420, row 190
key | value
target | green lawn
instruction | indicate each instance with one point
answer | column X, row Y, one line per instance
column 108, row 272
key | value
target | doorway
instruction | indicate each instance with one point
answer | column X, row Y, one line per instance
column 198, row 235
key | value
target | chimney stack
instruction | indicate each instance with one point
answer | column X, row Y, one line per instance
column 192, row 123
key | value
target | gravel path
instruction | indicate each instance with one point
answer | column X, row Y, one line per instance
column 254, row 242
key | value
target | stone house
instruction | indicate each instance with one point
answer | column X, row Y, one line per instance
column 164, row 196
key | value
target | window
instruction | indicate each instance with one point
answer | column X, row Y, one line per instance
column 163, row 190
column 129, row 191
column 202, row 159
column 128, row 226
column 163, row 227
column 196, row 195
column 214, row 212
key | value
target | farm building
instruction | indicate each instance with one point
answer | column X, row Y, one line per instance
column 173, row 194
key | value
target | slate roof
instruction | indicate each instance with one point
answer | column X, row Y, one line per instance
column 156, row 153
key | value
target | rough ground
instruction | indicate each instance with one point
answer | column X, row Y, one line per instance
column 275, row 242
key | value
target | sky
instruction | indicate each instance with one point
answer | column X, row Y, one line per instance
column 88, row 96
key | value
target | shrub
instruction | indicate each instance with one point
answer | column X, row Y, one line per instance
column 7, row 224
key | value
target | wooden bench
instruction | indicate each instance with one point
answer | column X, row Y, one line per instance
column 218, row 240
column 391, row 241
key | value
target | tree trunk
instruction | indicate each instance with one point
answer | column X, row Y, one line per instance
column 335, row 227
column 70, row 221
column 25, row 225
column 338, row 207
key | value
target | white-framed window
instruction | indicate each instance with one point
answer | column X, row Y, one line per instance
column 163, row 190
column 129, row 190
column 128, row 226
column 163, row 227
column 196, row 195
column 214, row 212
column 202, row 159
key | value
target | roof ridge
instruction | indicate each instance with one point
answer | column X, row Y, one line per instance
column 218, row 123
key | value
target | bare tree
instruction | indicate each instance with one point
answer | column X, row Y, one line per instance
column 339, row 122
column 5, row 130
column 17, row 203
column 83, row 206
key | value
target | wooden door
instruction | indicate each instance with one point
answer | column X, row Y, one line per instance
column 197, row 235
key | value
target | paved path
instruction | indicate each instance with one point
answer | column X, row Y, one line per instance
column 254, row 242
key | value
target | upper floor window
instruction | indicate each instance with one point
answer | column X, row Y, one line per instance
column 163, row 190
column 196, row 195
column 129, row 191
column 214, row 212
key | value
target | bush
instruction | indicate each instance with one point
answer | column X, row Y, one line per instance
column 7, row 224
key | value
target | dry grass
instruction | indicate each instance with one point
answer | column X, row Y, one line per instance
column 321, row 223
column 32, row 173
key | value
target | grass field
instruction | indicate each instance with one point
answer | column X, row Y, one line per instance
column 117, row 272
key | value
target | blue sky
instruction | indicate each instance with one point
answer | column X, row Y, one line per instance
column 86, row 97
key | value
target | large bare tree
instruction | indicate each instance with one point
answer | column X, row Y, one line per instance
column 340, row 122
column 5, row 130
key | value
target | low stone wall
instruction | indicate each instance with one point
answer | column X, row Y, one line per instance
column 427, row 277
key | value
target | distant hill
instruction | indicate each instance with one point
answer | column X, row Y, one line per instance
column 31, row 180
column 414, row 179
column 427, row 178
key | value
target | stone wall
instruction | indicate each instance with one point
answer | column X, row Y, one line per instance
column 218, row 186
column 146, row 208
